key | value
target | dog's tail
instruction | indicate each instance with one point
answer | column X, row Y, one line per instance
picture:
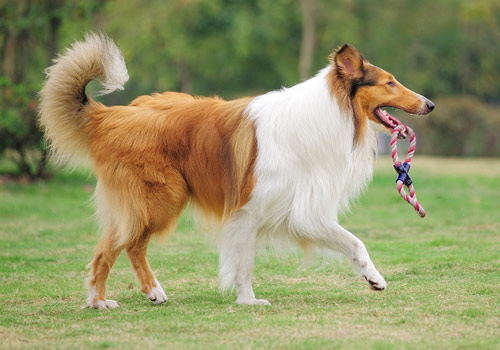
column 64, row 107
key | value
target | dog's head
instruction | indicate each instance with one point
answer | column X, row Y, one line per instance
column 370, row 88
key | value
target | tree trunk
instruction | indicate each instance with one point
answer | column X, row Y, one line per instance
column 184, row 79
column 9, row 55
column 308, row 38
column 52, row 44
column 41, row 171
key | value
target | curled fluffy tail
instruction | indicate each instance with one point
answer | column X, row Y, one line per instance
column 63, row 103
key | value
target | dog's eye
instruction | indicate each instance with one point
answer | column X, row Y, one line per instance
column 391, row 84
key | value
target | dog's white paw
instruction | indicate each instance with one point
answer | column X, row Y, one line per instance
column 99, row 304
column 375, row 279
column 103, row 304
column 253, row 302
column 157, row 294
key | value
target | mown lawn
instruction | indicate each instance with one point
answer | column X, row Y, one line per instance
column 442, row 273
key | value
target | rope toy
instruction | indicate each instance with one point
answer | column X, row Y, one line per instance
column 403, row 168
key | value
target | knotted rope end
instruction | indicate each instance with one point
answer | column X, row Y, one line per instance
column 403, row 168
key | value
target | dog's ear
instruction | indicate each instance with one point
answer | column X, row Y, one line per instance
column 348, row 62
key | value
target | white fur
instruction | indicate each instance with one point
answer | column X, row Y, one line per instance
column 157, row 294
column 237, row 246
column 115, row 70
column 99, row 304
column 308, row 169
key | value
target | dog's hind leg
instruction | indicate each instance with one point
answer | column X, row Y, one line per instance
column 165, row 203
column 105, row 257
column 339, row 239
column 136, row 252
column 237, row 247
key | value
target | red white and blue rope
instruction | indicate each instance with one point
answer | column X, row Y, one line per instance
column 411, row 198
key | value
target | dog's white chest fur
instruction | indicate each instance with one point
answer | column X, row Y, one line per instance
column 307, row 168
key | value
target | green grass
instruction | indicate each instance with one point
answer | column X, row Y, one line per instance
column 442, row 273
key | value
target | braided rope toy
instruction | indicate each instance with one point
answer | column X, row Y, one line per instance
column 403, row 168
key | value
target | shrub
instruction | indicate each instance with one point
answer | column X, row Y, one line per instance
column 459, row 126
column 20, row 139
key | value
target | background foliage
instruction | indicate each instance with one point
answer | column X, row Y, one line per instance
column 447, row 50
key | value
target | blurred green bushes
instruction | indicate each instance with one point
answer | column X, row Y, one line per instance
column 20, row 139
column 246, row 47
column 460, row 126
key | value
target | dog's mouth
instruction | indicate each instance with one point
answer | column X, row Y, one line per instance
column 388, row 120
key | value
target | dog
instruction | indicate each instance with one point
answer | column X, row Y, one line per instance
column 276, row 167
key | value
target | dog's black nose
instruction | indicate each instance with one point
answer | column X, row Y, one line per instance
column 430, row 105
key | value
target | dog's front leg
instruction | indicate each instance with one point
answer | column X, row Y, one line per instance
column 237, row 246
column 339, row 239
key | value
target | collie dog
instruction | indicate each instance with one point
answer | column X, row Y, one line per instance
column 279, row 166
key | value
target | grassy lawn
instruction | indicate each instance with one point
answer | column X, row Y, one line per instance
column 442, row 273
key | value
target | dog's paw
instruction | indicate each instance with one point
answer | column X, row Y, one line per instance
column 253, row 302
column 375, row 280
column 103, row 304
column 157, row 295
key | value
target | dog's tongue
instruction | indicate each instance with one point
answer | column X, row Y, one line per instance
column 390, row 120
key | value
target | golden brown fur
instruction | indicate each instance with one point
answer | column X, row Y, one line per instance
column 153, row 156
column 207, row 143
column 150, row 158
